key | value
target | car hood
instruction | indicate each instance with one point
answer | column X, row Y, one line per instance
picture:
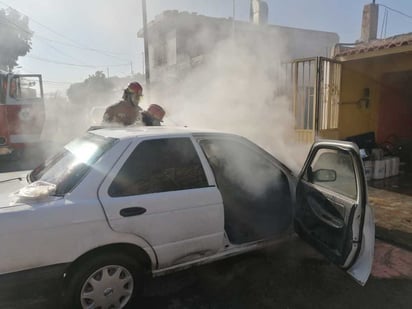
column 13, row 181
column 16, row 191
column 9, row 184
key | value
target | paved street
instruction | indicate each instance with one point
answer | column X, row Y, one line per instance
column 393, row 216
column 291, row 276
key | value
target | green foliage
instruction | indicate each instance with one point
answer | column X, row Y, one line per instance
column 98, row 89
column 15, row 37
column 92, row 90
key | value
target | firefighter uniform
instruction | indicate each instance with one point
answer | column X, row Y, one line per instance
column 123, row 113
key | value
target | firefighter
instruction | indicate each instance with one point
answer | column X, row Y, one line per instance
column 127, row 111
column 153, row 116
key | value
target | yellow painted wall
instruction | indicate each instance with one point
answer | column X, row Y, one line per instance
column 329, row 134
column 355, row 118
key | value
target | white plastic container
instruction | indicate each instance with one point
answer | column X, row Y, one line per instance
column 378, row 169
column 377, row 153
column 388, row 167
column 368, row 165
column 395, row 166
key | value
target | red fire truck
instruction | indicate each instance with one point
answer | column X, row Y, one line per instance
column 22, row 111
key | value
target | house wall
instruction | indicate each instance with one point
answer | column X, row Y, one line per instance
column 395, row 112
column 356, row 117
column 176, row 38
column 303, row 43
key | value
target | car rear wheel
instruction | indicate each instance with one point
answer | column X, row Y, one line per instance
column 106, row 281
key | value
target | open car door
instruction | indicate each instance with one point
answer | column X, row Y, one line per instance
column 332, row 213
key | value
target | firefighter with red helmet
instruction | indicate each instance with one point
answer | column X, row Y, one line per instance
column 127, row 111
column 153, row 116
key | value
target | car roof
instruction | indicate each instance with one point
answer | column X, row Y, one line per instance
column 132, row 132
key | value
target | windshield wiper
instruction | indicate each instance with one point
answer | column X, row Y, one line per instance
column 16, row 178
column 28, row 177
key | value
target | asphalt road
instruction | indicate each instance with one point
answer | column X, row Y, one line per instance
column 290, row 276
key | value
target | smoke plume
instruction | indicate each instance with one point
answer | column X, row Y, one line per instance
column 238, row 88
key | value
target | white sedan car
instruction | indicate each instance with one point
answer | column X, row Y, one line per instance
column 119, row 203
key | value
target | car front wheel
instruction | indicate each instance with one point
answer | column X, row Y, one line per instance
column 106, row 281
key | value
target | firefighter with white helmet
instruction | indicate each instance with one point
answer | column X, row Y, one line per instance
column 127, row 111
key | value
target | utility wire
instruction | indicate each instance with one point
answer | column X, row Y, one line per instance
column 81, row 46
column 57, row 50
column 56, row 82
column 17, row 26
column 75, row 46
column 61, row 52
column 396, row 11
column 76, row 64
column 384, row 23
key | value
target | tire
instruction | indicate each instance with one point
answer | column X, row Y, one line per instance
column 118, row 280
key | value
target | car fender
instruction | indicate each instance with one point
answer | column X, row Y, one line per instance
column 52, row 245
column 112, row 238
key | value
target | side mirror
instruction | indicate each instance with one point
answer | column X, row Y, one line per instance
column 324, row 175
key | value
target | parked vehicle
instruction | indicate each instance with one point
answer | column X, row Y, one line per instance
column 22, row 111
column 119, row 203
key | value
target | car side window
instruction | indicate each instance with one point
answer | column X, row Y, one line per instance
column 243, row 167
column 160, row 165
column 334, row 170
column 255, row 191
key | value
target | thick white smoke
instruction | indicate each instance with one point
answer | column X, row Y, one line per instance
column 238, row 89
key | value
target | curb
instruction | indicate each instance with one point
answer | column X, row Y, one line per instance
column 398, row 238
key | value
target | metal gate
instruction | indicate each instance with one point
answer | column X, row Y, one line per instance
column 315, row 95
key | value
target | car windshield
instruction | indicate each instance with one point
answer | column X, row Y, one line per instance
column 67, row 167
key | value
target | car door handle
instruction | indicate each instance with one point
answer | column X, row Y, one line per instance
column 132, row 211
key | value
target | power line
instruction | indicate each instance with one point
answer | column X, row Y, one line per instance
column 56, row 82
column 384, row 23
column 59, row 51
column 17, row 26
column 396, row 11
column 77, row 64
column 76, row 44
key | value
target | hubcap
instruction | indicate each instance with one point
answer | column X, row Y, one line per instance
column 109, row 287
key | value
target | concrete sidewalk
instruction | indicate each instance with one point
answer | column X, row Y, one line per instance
column 393, row 216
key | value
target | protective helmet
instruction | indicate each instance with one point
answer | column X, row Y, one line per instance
column 133, row 93
column 135, row 87
column 156, row 111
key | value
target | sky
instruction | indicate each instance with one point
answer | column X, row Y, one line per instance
column 75, row 38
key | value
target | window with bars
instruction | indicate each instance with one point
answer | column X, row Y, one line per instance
column 329, row 93
column 310, row 88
